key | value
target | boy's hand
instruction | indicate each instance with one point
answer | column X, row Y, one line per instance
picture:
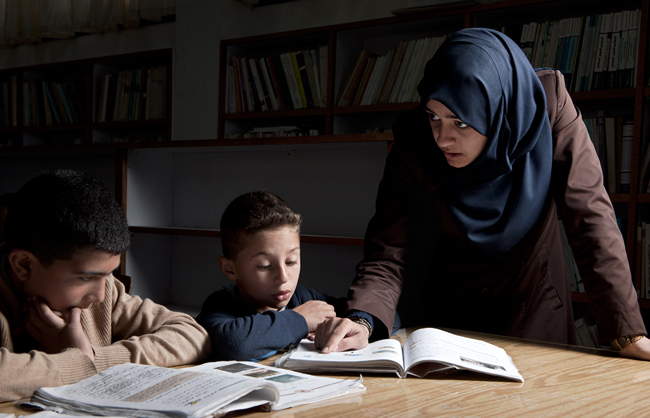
column 56, row 331
column 315, row 312
column 340, row 334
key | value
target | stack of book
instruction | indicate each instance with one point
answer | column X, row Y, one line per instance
column 8, row 103
column 53, row 102
column 276, row 132
column 139, row 94
column 643, row 258
column 612, row 138
column 390, row 78
column 288, row 81
column 593, row 52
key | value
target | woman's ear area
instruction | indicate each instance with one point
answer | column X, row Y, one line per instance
column 227, row 267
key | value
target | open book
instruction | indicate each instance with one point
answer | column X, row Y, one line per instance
column 425, row 351
column 211, row 389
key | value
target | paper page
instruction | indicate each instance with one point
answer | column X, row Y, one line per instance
column 294, row 388
column 384, row 350
column 147, row 388
column 430, row 344
column 52, row 414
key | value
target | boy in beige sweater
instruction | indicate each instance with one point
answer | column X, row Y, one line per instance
column 63, row 316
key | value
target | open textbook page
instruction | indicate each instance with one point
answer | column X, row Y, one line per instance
column 383, row 356
column 427, row 346
column 294, row 388
column 425, row 351
column 211, row 389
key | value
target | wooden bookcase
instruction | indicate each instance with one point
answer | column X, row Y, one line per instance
column 174, row 191
column 39, row 133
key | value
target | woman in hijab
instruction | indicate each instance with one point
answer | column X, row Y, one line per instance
column 466, row 233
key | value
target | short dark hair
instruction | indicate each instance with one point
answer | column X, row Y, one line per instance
column 250, row 213
column 59, row 212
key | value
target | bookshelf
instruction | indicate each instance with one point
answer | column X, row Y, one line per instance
column 174, row 191
column 350, row 43
column 54, row 106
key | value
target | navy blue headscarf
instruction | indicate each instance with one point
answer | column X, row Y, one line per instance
column 484, row 78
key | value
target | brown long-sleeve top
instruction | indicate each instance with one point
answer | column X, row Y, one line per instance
column 121, row 329
column 417, row 261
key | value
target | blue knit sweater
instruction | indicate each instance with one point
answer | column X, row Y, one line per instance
column 240, row 333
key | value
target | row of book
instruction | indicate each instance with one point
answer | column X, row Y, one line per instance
column 593, row 52
column 287, row 81
column 643, row 258
column 139, row 94
column 53, row 102
column 576, row 285
column 390, row 78
column 644, row 173
column 130, row 139
column 8, row 102
column 276, row 132
column 612, row 138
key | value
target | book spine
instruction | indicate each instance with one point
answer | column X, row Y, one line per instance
column 279, row 81
column 296, row 70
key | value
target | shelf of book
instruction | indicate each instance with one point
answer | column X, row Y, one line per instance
column 325, row 121
column 203, row 143
column 215, row 233
column 73, row 102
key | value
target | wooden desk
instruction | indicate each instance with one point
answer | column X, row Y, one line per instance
column 559, row 381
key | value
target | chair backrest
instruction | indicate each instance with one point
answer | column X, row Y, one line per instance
column 127, row 281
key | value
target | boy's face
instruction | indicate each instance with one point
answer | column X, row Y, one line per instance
column 267, row 269
column 66, row 284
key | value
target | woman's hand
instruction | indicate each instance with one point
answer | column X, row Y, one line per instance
column 340, row 334
column 640, row 350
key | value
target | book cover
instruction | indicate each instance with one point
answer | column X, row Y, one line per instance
column 32, row 103
column 64, row 101
column 238, row 87
column 591, row 64
column 290, row 75
column 610, row 147
column 49, row 118
column 258, row 88
column 128, row 76
column 323, row 61
column 56, row 118
column 250, row 100
column 367, row 73
column 110, row 100
column 280, row 81
column 395, row 64
column 14, row 100
column 317, row 77
column 612, row 57
column 602, row 51
column 626, row 153
column 298, row 66
column 268, row 84
column 40, row 104
column 354, row 79
column 403, row 70
column 314, row 90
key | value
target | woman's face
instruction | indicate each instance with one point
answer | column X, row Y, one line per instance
column 460, row 143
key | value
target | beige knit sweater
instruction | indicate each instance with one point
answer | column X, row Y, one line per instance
column 121, row 329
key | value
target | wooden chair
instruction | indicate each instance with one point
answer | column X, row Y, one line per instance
column 127, row 281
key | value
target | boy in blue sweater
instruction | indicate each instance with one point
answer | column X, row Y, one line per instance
column 265, row 310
